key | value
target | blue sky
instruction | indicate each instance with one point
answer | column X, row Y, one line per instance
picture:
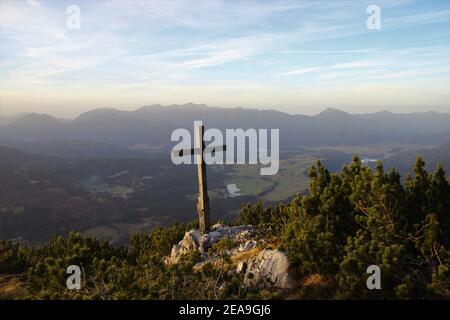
column 293, row 56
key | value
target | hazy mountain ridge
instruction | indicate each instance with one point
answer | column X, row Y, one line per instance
column 152, row 125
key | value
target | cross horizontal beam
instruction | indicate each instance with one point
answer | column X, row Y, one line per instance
column 198, row 151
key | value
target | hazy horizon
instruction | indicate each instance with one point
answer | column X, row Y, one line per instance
column 3, row 115
column 299, row 57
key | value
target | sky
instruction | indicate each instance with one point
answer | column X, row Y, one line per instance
column 299, row 57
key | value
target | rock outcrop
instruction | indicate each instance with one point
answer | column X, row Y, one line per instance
column 243, row 236
column 268, row 267
column 191, row 242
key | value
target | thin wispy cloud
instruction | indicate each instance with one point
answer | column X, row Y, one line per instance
column 358, row 64
column 300, row 71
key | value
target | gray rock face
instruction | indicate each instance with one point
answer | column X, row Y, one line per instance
column 271, row 265
column 190, row 242
column 194, row 240
column 268, row 268
column 248, row 245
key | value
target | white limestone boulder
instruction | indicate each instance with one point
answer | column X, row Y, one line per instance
column 193, row 240
column 269, row 268
column 190, row 242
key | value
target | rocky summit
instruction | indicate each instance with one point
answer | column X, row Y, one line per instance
column 260, row 264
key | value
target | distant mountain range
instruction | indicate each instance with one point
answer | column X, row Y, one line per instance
column 151, row 126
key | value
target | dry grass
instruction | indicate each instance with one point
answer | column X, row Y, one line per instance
column 11, row 287
column 244, row 256
column 314, row 286
column 273, row 244
column 315, row 280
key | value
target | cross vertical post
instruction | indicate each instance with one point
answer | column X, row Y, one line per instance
column 203, row 199
column 199, row 151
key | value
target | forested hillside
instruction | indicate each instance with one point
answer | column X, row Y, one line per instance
column 347, row 221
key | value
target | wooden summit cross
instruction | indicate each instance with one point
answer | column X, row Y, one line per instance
column 199, row 151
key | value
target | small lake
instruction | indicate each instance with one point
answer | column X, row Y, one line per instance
column 233, row 190
column 95, row 184
column 366, row 161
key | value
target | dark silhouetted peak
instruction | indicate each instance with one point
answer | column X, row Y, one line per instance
column 192, row 106
column 148, row 108
column 35, row 119
column 101, row 114
column 383, row 112
column 331, row 113
column 156, row 108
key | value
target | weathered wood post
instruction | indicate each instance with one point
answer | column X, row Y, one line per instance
column 199, row 151
column 203, row 199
